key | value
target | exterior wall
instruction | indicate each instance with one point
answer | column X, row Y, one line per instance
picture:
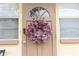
column 62, row 49
column 11, row 50
column 15, row 50
column 68, row 50
column 65, row 49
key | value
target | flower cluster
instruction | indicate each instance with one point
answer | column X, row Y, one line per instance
column 38, row 30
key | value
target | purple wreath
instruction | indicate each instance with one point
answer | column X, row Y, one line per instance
column 38, row 30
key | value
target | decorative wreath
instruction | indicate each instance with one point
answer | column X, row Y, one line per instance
column 38, row 31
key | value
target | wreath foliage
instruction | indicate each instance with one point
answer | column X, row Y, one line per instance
column 38, row 31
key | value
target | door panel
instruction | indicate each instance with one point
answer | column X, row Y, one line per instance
column 48, row 48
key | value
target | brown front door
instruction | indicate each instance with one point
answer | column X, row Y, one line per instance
column 45, row 49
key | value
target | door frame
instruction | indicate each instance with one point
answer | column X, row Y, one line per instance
column 54, row 36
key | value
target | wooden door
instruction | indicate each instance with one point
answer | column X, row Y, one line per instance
column 48, row 48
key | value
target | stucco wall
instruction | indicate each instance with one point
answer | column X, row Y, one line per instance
column 11, row 50
column 68, row 50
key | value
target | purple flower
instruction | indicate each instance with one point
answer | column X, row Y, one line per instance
column 34, row 28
